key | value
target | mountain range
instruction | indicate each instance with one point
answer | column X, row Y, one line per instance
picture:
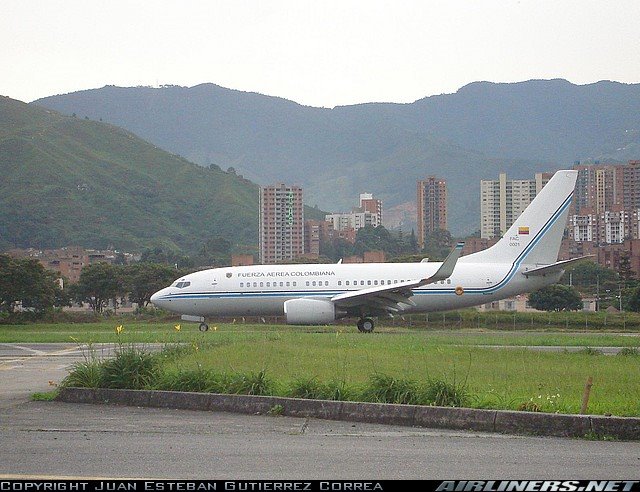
column 335, row 154
column 71, row 181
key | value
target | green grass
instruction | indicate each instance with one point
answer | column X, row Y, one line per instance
column 338, row 363
column 44, row 396
column 493, row 378
column 164, row 332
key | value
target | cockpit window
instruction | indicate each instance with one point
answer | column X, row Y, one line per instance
column 182, row 285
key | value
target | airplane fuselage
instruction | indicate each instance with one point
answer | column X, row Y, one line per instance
column 522, row 261
column 262, row 290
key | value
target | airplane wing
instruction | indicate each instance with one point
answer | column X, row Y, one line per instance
column 393, row 298
column 554, row 267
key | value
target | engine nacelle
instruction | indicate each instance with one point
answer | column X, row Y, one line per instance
column 309, row 312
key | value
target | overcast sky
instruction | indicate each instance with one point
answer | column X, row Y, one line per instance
column 319, row 53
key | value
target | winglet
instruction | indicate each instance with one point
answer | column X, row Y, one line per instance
column 446, row 269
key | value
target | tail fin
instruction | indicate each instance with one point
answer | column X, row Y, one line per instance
column 535, row 236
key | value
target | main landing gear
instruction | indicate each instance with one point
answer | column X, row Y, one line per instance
column 365, row 325
column 203, row 327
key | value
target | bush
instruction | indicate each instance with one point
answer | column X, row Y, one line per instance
column 131, row 368
column 387, row 389
column 86, row 374
column 254, row 383
column 313, row 390
column 629, row 351
column 444, row 394
column 591, row 351
column 528, row 406
column 197, row 381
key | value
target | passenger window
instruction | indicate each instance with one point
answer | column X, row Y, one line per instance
column 368, row 282
column 287, row 284
column 326, row 283
column 261, row 284
column 375, row 282
column 361, row 282
column 294, row 284
column 395, row 281
column 308, row 283
column 255, row 284
column 281, row 284
column 241, row 284
column 339, row 282
column 346, row 283
column 448, row 280
column 313, row 283
column 268, row 284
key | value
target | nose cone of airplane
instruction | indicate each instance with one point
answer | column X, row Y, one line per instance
column 157, row 298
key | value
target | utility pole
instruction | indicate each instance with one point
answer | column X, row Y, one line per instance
column 620, row 295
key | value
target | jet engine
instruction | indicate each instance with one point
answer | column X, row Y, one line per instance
column 309, row 312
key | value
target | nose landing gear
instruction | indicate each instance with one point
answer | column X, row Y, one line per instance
column 365, row 325
column 203, row 327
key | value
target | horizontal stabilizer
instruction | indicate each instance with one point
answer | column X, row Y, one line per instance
column 555, row 267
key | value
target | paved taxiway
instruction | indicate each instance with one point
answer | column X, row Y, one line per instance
column 60, row 439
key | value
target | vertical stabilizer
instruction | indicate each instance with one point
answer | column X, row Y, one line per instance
column 535, row 236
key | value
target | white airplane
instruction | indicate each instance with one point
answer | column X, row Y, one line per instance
column 523, row 260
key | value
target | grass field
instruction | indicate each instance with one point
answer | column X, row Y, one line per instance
column 493, row 378
column 501, row 378
column 164, row 332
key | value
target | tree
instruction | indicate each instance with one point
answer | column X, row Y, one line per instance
column 556, row 297
column 336, row 248
column 379, row 238
column 142, row 280
column 588, row 275
column 627, row 275
column 413, row 242
column 98, row 284
column 438, row 244
column 26, row 281
column 633, row 300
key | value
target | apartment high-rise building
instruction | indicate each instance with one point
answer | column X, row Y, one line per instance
column 373, row 206
column 432, row 207
column 503, row 200
column 369, row 213
column 608, row 197
column 281, row 232
column 599, row 188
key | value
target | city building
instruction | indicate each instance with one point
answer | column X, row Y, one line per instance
column 241, row 260
column 312, row 234
column 606, row 203
column 369, row 213
column 503, row 200
column 431, row 207
column 281, row 224
column 69, row 261
column 372, row 206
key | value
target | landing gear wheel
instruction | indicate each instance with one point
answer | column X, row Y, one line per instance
column 366, row 325
column 203, row 327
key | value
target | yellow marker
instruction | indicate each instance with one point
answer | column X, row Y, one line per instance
column 177, row 327
column 119, row 329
